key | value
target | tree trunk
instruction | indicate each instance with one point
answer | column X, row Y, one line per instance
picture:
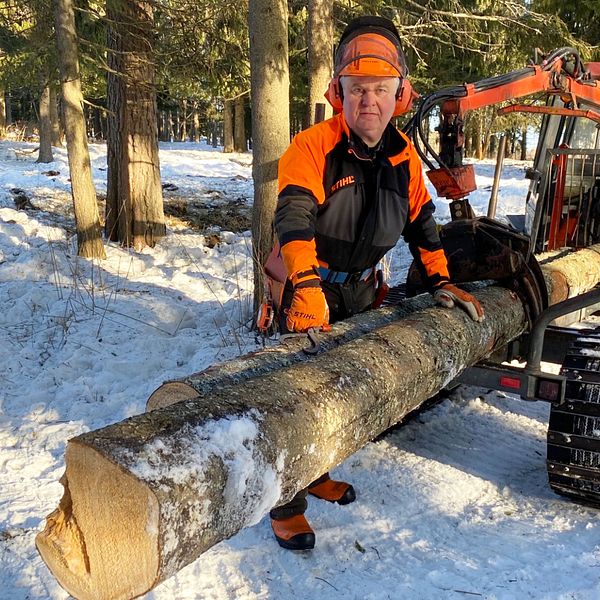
column 468, row 142
column 87, row 219
column 524, row 143
column 55, row 125
column 2, row 114
column 161, row 126
column 8, row 107
column 487, row 122
column 177, row 127
column 45, row 127
column 184, row 120
column 228, row 126
column 170, row 122
column 282, row 355
column 134, row 203
column 97, row 123
column 493, row 145
column 145, row 497
column 320, row 54
column 267, row 22
column 196, row 123
column 476, row 136
column 239, row 130
column 116, row 228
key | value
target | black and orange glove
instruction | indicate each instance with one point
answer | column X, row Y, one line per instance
column 449, row 296
column 309, row 308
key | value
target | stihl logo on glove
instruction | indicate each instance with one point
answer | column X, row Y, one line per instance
column 308, row 309
column 301, row 315
column 450, row 296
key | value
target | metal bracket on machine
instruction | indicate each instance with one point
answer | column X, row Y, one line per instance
column 483, row 249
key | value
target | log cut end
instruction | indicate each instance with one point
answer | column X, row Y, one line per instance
column 101, row 543
column 170, row 393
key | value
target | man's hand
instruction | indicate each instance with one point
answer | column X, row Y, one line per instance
column 449, row 296
column 309, row 309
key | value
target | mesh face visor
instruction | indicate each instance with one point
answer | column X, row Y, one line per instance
column 370, row 54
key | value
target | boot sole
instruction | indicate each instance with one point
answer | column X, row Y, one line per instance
column 304, row 541
column 348, row 497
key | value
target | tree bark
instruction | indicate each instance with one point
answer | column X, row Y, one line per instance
column 239, row 130
column 45, row 127
column 87, row 218
column 177, row 127
column 145, row 497
column 196, row 123
column 184, row 120
column 214, row 134
column 171, row 127
column 8, row 107
column 320, row 54
column 97, row 123
column 279, row 356
column 228, row 126
column 269, row 75
column 523, row 143
column 134, row 202
column 2, row 114
column 55, row 125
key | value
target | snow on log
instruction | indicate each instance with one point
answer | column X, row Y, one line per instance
column 281, row 355
column 574, row 274
column 145, row 497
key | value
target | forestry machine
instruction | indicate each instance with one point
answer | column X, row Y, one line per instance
column 562, row 210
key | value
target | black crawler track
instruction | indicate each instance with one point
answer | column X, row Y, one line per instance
column 573, row 458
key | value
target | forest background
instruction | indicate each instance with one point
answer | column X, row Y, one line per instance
column 244, row 74
column 186, row 70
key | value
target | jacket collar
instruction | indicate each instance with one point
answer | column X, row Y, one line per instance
column 391, row 144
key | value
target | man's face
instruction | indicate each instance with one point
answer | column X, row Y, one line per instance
column 369, row 105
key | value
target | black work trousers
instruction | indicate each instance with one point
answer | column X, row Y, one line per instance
column 343, row 301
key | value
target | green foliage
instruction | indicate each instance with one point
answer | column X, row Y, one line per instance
column 298, row 49
column 581, row 19
column 201, row 46
column 27, row 58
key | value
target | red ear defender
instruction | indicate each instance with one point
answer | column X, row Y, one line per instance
column 404, row 98
column 333, row 95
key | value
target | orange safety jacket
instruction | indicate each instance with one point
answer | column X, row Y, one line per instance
column 343, row 206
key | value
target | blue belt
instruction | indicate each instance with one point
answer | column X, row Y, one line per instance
column 341, row 277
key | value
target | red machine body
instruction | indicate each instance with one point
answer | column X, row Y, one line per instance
column 567, row 87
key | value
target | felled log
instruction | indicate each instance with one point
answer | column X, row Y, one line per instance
column 279, row 355
column 574, row 274
column 146, row 496
column 569, row 274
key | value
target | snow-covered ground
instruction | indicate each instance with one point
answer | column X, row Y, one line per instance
column 453, row 505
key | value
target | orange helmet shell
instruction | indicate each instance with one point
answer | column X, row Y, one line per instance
column 369, row 54
column 370, row 46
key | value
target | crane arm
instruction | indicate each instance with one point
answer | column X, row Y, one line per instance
column 559, row 73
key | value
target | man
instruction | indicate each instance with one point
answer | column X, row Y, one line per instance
column 348, row 188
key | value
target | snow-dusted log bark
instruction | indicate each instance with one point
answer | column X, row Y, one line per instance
column 278, row 356
column 145, row 497
column 566, row 276
column 572, row 273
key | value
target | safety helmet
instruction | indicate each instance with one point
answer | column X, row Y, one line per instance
column 370, row 46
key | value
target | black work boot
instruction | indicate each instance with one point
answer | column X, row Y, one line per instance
column 333, row 491
column 294, row 533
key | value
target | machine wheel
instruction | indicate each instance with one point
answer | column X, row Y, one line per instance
column 573, row 459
